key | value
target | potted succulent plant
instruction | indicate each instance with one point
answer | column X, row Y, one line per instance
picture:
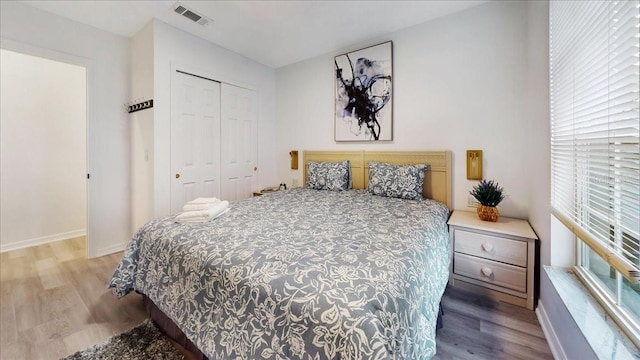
column 489, row 194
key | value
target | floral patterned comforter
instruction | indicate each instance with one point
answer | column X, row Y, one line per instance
column 299, row 274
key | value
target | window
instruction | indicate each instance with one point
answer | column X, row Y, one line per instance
column 595, row 147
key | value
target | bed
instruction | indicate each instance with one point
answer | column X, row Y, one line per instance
column 305, row 273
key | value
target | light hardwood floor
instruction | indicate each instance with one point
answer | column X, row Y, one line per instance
column 54, row 302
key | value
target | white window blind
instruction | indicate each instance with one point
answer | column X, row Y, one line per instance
column 595, row 126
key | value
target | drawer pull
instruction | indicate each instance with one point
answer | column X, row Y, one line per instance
column 487, row 271
column 487, row 247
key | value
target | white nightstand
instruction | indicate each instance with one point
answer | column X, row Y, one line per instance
column 496, row 259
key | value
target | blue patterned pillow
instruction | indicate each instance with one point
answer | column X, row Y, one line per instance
column 329, row 175
column 398, row 181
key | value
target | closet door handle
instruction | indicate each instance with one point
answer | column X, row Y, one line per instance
column 177, row 176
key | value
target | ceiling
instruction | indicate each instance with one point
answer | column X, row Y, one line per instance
column 274, row 33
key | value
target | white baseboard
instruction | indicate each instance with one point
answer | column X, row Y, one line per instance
column 42, row 240
column 549, row 333
column 109, row 250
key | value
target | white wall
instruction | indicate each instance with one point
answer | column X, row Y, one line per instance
column 106, row 57
column 173, row 47
column 141, row 123
column 538, row 125
column 43, row 150
column 460, row 82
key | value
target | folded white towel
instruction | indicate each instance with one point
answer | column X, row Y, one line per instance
column 200, row 206
column 204, row 200
column 218, row 209
column 204, row 215
column 201, row 220
column 200, row 214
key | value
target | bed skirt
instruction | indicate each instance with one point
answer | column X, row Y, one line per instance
column 171, row 330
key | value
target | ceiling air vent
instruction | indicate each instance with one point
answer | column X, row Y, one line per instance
column 190, row 14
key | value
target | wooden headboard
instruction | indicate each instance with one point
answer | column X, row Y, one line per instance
column 437, row 181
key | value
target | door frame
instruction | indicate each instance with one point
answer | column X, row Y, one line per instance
column 197, row 71
column 87, row 63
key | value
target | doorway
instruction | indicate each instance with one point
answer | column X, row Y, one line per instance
column 43, row 152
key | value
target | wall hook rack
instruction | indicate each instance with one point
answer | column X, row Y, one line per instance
column 139, row 105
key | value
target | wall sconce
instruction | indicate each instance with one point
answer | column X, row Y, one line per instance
column 474, row 164
column 294, row 159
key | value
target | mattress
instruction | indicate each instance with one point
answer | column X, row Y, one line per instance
column 299, row 274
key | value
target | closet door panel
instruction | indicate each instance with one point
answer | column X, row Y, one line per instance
column 195, row 139
column 239, row 142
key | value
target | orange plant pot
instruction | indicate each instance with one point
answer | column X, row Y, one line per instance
column 488, row 213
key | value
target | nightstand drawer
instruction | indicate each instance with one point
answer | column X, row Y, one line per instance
column 491, row 247
column 511, row 277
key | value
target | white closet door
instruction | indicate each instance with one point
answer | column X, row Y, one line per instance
column 195, row 139
column 239, row 142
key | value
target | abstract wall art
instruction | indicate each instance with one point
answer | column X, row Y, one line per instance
column 364, row 94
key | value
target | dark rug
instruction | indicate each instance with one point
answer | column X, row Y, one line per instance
column 143, row 342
